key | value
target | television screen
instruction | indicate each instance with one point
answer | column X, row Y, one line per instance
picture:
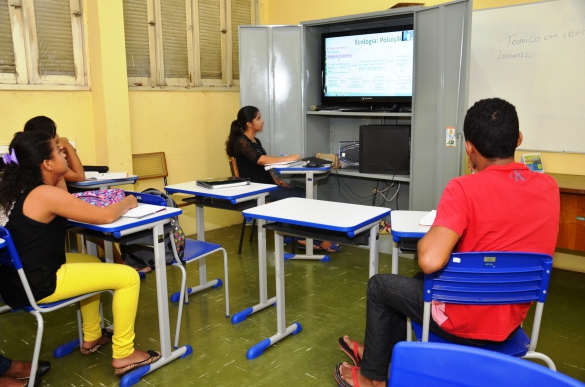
column 368, row 67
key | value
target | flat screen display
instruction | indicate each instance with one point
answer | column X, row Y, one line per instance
column 368, row 66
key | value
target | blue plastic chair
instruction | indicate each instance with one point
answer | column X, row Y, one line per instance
column 194, row 251
column 9, row 257
column 492, row 278
column 452, row 365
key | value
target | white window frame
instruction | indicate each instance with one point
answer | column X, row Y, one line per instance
column 157, row 75
column 24, row 38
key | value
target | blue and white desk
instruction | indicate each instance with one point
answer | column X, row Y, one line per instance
column 233, row 195
column 88, row 185
column 347, row 220
column 156, row 222
column 405, row 224
column 310, row 193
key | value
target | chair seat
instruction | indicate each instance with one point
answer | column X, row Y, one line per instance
column 195, row 249
column 517, row 346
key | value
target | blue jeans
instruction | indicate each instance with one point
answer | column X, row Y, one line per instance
column 391, row 298
column 5, row 364
column 284, row 193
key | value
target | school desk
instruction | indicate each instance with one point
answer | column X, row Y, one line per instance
column 126, row 226
column 226, row 198
column 340, row 222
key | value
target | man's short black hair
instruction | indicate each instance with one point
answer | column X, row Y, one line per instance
column 491, row 125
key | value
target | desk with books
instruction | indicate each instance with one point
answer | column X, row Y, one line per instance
column 227, row 198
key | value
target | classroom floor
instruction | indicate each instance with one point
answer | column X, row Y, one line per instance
column 328, row 299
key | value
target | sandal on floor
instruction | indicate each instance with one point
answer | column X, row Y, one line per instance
column 105, row 333
column 353, row 354
column 154, row 356
column 335, row 247
column 342, row 382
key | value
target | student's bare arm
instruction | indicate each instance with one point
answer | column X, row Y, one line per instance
column 44, row 202
column 76, row 172
column 435, row 248
column 263, row 160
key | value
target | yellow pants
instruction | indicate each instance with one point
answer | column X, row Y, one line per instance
column 83, row 274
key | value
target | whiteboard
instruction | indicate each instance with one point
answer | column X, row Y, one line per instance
column 533, row 56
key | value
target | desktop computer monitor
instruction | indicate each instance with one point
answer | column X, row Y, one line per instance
column 385, row 149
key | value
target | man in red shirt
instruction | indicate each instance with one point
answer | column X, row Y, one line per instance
column 501, row 206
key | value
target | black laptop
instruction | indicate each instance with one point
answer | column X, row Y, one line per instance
column 223, row 182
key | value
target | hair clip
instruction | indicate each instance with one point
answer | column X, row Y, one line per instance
column 10, row 158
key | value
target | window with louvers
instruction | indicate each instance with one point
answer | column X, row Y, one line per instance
column 210, row 39
column 136, row 33
column 6, row 45
column 241, row 14
column 174, row 35
column 55, row 41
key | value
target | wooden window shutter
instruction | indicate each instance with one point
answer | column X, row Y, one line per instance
column 174, row 35
column 241, row 14
column 54, row 37
column 7, row 64
column 210, row 39
column 136, row 34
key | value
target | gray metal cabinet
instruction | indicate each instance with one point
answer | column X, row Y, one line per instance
column 271, row 80
column 284, row 81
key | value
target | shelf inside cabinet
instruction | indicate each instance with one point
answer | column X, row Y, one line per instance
column 338, row 113
column 354, row 172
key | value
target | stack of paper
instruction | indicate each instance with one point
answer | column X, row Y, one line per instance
column 428, row 219
column 284, row 164
column 105, row 176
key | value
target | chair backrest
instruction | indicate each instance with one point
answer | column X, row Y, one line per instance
column 490, row 278
column 9, row 257
column 150, row 166
column 438, row 364
column 234, row 167
column 148, row 198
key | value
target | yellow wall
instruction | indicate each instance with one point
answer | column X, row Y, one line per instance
column 109, row 123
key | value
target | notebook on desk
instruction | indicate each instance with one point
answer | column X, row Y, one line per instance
column 316, row 160
column 222, row 182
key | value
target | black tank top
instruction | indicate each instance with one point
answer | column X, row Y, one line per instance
column 41, row 248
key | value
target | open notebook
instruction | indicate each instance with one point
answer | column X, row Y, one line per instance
column 143, row 210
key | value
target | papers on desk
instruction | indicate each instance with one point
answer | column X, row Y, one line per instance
column 428, row 219
column 284, row 164
column 222, row 182
column 143, row 210
column 105, row 176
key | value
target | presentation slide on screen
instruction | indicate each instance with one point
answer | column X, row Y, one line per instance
column 369, row 65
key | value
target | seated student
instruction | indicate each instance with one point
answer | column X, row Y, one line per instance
column 251, row 158
column 502, row 206
column 36, row 212
column 75, row 172
column 47, row 125
column 16, row 373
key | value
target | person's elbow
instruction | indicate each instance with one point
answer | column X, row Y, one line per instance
column 435, row 248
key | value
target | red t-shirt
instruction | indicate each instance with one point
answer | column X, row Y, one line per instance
column 502, row 208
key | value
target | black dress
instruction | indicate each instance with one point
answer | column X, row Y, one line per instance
column 247, row 154
column 41, row 248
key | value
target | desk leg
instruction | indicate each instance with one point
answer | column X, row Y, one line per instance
column 395, row 251
column 203, row 283
column 374, row 247
column 109, row 251
column 282, row 330
column 167, row 354
column 262, row 274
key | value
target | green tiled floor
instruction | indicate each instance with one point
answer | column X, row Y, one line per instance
column 328, row 299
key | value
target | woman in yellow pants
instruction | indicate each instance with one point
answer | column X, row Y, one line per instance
column 35, row 212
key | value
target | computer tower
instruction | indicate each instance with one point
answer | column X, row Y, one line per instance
column 385, row 149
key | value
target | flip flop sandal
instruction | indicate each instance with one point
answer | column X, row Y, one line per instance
column 353, row 354
column 334, row 248
column 105, row 333
column 342, row 382
column 153, row 356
